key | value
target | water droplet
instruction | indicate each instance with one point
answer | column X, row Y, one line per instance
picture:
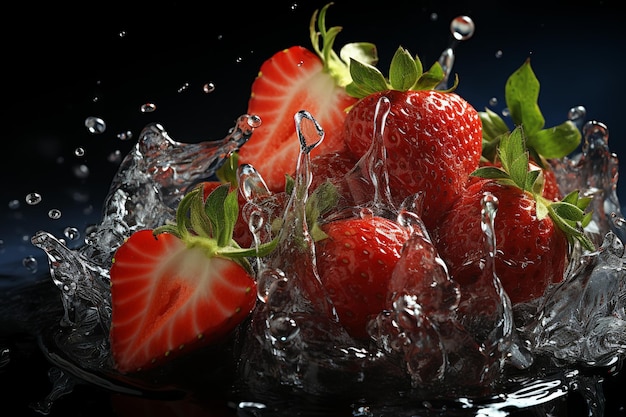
column 239, row 59
column 54, row 214
column 462, row 28
column 183, row 87
column 71, row 233
column 79, row 151
column 254, row 121
column 434, row 17
column 115, row 156
column 128, row 135
column 122, row 34
column 493, row 101
column 208, row 88
column 148, row 107
column 30, row 263
column 577, row 113
column 14, row 204
column 294, row 6
column 506, row 112
column 499, row 53
column 81, row 171
column 95, row 99
column 33, row 199
column 95, row 125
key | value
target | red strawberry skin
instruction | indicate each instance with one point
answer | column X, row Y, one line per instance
column 168, row 298
column 433, row 141
column 292, row 80
column 355, row 263
column 531, row 253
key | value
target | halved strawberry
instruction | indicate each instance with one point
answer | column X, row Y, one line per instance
column 297, row 79
column 182, row 285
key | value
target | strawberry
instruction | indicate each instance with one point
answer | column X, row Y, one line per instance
column 355, row 260
column 433, row 138
column 532, row 232
column 295, row 79
column 182, row 285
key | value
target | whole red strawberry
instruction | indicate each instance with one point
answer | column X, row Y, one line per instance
column 433, row 138
column 297, row 79
column 355, row 261
column 532, row 233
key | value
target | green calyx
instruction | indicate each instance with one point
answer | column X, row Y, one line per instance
column 521, row 95
column 337, row 65
column 568, row 214
column 405, row 73
column 209, row 225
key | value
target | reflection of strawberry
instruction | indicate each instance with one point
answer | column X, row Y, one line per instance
column 292, row 80
column 433, row 138
column 180, row 286
column 532, row 232
column 355, row 261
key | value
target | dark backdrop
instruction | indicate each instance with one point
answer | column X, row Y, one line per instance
column 63, row 64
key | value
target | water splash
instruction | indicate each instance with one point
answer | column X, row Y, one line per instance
column 144, row 194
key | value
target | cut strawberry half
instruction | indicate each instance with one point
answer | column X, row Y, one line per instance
column 180, row 286
column 297, row 79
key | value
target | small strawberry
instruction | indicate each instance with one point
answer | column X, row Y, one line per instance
column 433, row 138
column 180, row 286
column 532, row 232
column 295, row 79
column 355, row 260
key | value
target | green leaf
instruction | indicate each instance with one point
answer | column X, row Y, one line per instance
column 231, row 212
column 490, row 172
column 367, row 78
column 431, row 78
column 556, row 142
column 403, row 72
column 522, row 94
column 493, row 125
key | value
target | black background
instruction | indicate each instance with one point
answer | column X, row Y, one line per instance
column 62, row 64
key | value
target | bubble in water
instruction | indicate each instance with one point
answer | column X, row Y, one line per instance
column 208, row 88
column 294, row 6
column 183, row 87
column 493, row 101
column 33, row 199
column 122, row 34
column 79, row 151
column 14, row 204
column 71, row 233
column 30, row 263
column 54, row 214
column 125, row 135
column 148, row 107
column 95, row 125
column 499, row 53
column 462, row 28
column 81, row 171
column 434, row 17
